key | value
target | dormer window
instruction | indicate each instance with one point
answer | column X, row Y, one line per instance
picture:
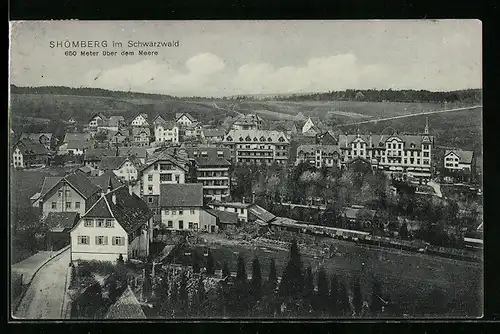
column 204, row 154
column 262, row 138
column 269, row 139
column 241, row 139
column 248, row 138
column 195, row 153
column 281, row 139
column 220, row 153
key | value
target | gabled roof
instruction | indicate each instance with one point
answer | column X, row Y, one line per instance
column 126, row 307
column 175, row 155
column 352, row 213
column 79, row 145
column 60, row 221
column 112, row 163
column 115, row 120
column 158, row 118
column 181, row 195
column 77, row 180
column 465, row 157
column 144, row 115
column 29, row 147
column 129, row 211
column 249, row 119
column 98, row 153
column 139, row 152
column 380, row 140
column 104, row 118
column 224, row 216
column 188, row 115
column 103, row 181
column 35, row 136
column 135, row 131
column 166, row 124
column 262, row 136
column 213, row 133
column 73, row 136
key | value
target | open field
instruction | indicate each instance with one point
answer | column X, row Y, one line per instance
column 407, row 279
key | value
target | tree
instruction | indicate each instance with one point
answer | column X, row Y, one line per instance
column 241, row 274
column 146, row 286
column 210, row 264
column 174, row 297
column 273, row 277
column 403, row 231
column 376, row 302
column 161, row 294
column 225, row 270
column 256, row 283
column 196, row 261
column 323, row 293
column 334, row 295
column 308, row 286
column 199, row 297
column 357, row 298
column 344, row 306
column 292, row 281
column 183, row 295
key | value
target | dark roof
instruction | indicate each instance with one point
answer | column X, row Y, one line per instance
column 261, row 213
column 36, row 136
column 137, row 130
column 111, row 163
column 352, row 213
column 29, row 147
column 104, row 180
column 76, row 180
column 311, row 149
column 100, row 115
column 175, row 155
column 140, row 152
column 379, row 140
column 98, row 153
column 130, row 211
column 79, row 144
column 115, row 120
column 61, row 220
column 181, row 195
column 465, row 157
column 213, row 133
column 224, row 216
column 209, row 156
column 126, row 307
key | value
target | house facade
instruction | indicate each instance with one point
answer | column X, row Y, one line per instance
column 211, row 165
column 125, row 168
column 409, row 155
column 242, row 209
column 140, row 136
column 184, row 119
column 119, row 223
column 71, row 193
column 247, row 122
column 140, row 120
column 93, row 156
column 257, row 146
column 181, row 207
column 319, row 155
column 458, row 160
column 97, row 120
column 166, row 132
column 26, row 154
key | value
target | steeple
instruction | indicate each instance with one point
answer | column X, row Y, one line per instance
column 426, row 131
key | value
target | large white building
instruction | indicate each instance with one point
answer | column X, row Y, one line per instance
column 409, row 155
column 257, row 146
column 458, row 160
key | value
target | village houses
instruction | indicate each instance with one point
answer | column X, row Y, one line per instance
column 46, row 139
column 166, row 131
column 140, row 120
column 185, row 119
column 26, row 154
column 125, row 168
column 247, row 122
column 118, row 223
column 319, row 155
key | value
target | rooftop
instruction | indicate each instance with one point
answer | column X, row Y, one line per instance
column 271, row 136
column 126, row 307
column 181, row 195
column 224, row 216
column 464, row 157
column 60, row 221
column 232, row 204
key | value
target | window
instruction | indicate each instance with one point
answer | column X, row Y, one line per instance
column 195, row 226
column 101, row 240
column 118, row 241
column 150, row 189
column 110, row 223
column 177, row 178
column 54, row 205
column 83, row 240
column 77, row 205
column 88, row 223
column 426, row 146
column 192, row 211
column 68, row 205
column 59, row 193
column 426, row 154
column 100, row 223
column 66, row 193
column 150, row 177
column 181, row 225
column 166, row 212
column 165, row 177
column 150, row 199
column 190, row 225
column 242, row 210
column 235, row 210
column 181, row 212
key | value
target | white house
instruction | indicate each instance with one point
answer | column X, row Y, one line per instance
column 125, row 168
column 97, row 120
column 140, row 120
column 181, row 208
column 458, row 160
column 119, row 223
column 184, row 119
column 237, row 207
column 166, row 132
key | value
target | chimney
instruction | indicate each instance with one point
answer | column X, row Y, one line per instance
column 113, row 198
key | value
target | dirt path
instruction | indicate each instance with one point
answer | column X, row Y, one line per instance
column 45, row 296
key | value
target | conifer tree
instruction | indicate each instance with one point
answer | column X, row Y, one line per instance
column 334, row 295
column 210, row 264
column 323, row 293
column 344, row 307
column 273, row 277
column 256, row 283
column 292, row 281
column 225, row 270
column 174, row 297
column 376, row 302
column 357, row 298
column 183, row 295
column 241, row 274
column 308, row 287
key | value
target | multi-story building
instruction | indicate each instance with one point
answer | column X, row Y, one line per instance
column 140, row 136
column 26, row 153
column 97, row 120
column 182, row 208
column 93, row 156
column 166, row 131
column 119, row 223
column 168, row 165
column 125, row 168
column 247, row 122
column 242, row 209
column 257, row 146
column 140, row 120
column 211, row 165
column 213, row 136
column 458, row 160
column 185, row 119
column 319, row 155
column 409, row 155
column 46, row 139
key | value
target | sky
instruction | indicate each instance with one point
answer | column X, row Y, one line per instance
column 225, row 58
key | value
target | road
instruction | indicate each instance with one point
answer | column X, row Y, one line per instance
column 410, row 115
column 45, row 296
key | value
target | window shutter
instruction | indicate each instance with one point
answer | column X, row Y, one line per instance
column 106, row 240
column 96, row 240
